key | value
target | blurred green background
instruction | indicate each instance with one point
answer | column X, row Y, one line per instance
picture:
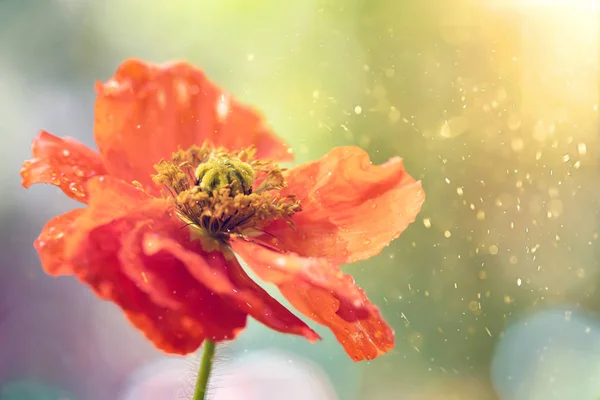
column 492, row 104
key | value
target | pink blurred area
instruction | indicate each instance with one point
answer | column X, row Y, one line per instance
column 261, row 375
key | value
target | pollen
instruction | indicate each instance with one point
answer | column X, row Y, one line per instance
column 225, row 193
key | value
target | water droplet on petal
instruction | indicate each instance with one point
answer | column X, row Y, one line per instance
column 76, row 189
column 55, row 180
column 222, row 108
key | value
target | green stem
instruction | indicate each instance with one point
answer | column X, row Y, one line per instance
column 204, row 373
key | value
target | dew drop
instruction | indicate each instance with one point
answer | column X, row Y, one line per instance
column 473, row 306
column 514, row 121
column 182, row 93
column 161, row 98
column 542, row 131
column 538, row 155
column 493, row 249
column 76, row 189
column 280, row 261
column 517, row 144
column 222, row 107
column 445, row 130
column 555, row 208
column 394, row 115
column 453, row 127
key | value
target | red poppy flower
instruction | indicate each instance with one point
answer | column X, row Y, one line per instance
column 184, row 183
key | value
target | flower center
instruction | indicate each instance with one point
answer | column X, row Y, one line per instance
column 224, row 193
column 221, row 171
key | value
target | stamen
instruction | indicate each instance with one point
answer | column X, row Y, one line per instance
column 225, row 193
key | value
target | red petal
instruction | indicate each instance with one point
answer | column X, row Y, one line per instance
column 321, row 292
column 148, row 111
column 63, row 162
column 168, row 282
column 50, row 244
column 94, row 257
column 130, row 250
column 104, row 243
column 352, row 209
column 221, row 272
column 112, row 198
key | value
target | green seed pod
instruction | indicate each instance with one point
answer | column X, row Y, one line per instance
column 218, row 172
